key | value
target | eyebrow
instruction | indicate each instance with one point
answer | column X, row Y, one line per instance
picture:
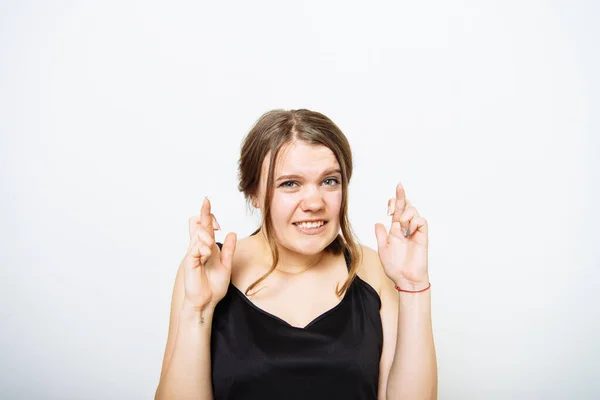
column 330, row 171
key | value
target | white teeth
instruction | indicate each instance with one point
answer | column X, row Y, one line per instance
column 313, row 225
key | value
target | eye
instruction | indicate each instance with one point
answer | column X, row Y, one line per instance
column 288, row 184
column 331, row 182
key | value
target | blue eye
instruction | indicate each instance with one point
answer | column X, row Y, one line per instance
column 288, row 184
column 293, row 184
column 331, row 182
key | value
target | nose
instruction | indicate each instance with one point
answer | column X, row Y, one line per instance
column 312, row 201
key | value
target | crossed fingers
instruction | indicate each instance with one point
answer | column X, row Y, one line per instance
column 405, row 217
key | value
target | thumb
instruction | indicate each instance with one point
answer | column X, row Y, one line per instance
column 228, row 249
column 381, row 234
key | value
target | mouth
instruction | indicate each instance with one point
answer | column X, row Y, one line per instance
column 312, row 227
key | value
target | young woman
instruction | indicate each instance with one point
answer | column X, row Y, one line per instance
column 299, row 310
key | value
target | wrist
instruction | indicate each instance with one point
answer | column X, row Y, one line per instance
column 193, row 310
column 192, row 318
column 412, row 285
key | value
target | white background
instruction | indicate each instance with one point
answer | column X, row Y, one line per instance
column 116, row 118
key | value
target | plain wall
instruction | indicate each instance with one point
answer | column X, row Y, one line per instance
column 117, row 118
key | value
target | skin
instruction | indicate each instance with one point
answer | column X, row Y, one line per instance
column 307, row 187
column 408, row 368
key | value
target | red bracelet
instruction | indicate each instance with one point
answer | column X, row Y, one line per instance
column 413, row 291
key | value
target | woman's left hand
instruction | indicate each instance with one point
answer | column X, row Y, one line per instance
column 403, row 250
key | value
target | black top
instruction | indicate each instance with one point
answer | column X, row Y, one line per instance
column 256, row 355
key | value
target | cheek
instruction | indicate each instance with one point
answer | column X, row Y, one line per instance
column 283, row 208
column 334, row 201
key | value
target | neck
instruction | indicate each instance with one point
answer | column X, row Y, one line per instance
column 290, row 262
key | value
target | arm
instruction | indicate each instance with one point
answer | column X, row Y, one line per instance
column 408, row 367
column 413, row 373
column 186, row 369
column 202, row 281
column 408, row 361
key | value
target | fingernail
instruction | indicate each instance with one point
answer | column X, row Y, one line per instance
column 407, row 233
column 389, row 210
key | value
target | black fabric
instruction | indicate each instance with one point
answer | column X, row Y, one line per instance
column 256, row 355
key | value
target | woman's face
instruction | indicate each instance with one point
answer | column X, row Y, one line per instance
column 307, row 197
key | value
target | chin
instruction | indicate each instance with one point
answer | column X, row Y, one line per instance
column 309, row 249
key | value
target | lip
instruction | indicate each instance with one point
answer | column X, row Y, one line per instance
column 311, row 231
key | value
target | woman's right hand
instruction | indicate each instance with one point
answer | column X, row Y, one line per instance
column 207, row 269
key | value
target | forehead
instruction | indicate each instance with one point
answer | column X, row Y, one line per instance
column 302, row 158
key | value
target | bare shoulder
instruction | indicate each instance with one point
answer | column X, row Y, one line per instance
column 243, row 249
column 245, row 253
column 370, row 269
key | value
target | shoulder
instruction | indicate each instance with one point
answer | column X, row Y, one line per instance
column 245, row 258
column 371, row 271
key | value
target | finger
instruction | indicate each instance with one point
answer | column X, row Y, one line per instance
column 215, row 223
column 200, row 251
column 381, row 235
column 192, row 224
column 405, row 220
column 202, row 236
column 400, row 192
column 400, row 203
column 396, row 229
column 228, row 249
column 418, row 224
column 390, row 209
column 196, row 243
column 205, row 218
column 205, row 253
column 394, row 211
column 194, row 221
